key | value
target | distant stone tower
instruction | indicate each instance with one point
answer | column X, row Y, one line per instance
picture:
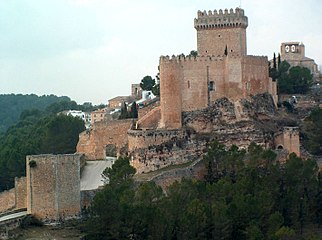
column 289, row 139
column 218, row 31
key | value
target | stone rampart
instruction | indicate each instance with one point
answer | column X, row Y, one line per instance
column 150, row 120
column 15, row 198
column 7, row 200
column 53, row 186
column 204, row 79
column 143, row 111
column 164, row 179
column 92, row 143
column 21, row 192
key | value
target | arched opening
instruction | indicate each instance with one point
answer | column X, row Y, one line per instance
column 280, row 147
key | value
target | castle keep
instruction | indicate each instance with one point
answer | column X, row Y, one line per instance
column 221, row 69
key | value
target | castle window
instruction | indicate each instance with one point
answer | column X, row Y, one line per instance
column 211, row 86
column 219, row 35
column 247, row 86
column 188, row 84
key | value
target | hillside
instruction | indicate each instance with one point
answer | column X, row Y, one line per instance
column 12, row 105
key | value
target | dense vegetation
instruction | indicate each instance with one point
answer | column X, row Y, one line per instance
column 312, row 132
column 12, row 105
column 291, row 80
column 244, row 195
column 37, row 132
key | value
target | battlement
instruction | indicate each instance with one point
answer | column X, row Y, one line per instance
column 189, row 58
column 221, row 19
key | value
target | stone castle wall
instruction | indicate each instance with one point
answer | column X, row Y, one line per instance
column 53, row 186
column 154, row 149
column 94, row 141
column 7, row 200
column 21, row 192
column 143, row 111
column 190, row 83
column 15, row 198
column 150, row 120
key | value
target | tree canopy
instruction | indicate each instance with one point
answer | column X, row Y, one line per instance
column 291, row 80
column 312, row 132
column 147, row 83
column 245, row 195
column 12, row 105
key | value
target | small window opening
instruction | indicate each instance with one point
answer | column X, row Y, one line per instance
column 188, row 84
column 211, row 86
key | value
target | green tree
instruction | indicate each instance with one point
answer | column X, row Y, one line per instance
column 61, row 134
column 134, row 110
column 312, row 132
column 124, row 112
column 294, row 80
column 147, row 83
column 193, row 53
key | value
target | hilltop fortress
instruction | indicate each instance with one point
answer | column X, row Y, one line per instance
column 213, row 94
column 221, row 94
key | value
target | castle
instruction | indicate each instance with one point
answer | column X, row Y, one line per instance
column 221, row 69
column 222, row 94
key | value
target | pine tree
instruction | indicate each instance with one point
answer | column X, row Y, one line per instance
column 274, row 61
column 134, row 110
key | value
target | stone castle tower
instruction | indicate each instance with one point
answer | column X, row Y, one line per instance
column 221, row 69
column 218, row 30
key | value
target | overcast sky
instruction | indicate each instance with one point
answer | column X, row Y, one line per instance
column 92, row 50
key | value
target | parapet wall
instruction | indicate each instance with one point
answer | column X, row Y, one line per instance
column 7, row 200
column 221, row 19
column 152, row 150
column 92, row 143
column 53, row 186
column 21, row 192
column 150, row 120
column 15, row 198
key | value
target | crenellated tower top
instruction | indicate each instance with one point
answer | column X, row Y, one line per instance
column 221, row 32
column 221, row 19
